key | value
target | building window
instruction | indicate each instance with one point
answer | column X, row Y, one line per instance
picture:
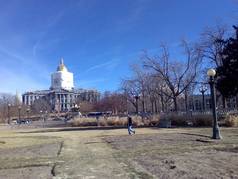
column 198, row 105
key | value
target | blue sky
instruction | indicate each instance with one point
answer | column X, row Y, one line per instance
column 98, row 39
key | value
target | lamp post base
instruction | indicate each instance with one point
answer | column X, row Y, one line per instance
column 216, row 133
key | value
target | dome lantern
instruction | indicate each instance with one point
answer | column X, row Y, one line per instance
column 61, row 66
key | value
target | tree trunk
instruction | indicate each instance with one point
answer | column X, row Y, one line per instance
column 152, row 106
column 237, row 101
column 175, row 104
column 162, row 103
column 156, row 108
column 224, row 103
column 143, row 106
column 186, row 101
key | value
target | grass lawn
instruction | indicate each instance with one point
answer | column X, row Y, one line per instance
column 151, row 153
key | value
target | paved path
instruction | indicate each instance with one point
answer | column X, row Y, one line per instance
column 87, row 157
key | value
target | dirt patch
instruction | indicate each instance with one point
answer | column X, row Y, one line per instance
column 191, row 165
column 33, row 158
column 42, row 150
column 178, row 155
column 228, row 149
column 156, row 141
column 42, row 172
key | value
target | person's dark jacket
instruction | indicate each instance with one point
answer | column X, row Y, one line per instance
column 129, row 121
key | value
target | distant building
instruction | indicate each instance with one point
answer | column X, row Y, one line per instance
column 62, row 95
column 195, row 103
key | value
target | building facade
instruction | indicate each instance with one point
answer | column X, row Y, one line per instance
column 203, row 103
column 199, row 102
column 62, row 95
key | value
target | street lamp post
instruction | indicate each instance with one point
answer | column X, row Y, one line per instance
column 19, row 114
column 8, row 113
column 216, row 132
column 203, row 89
column 41, row 117
column 46, row 116
column 41, row 114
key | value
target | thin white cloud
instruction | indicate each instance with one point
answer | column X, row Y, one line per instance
column 133, row 17
column 91, row 83
column 52, row 22
column 12, row 81
column 13, row 55
column 21, row 73
column 109, row 65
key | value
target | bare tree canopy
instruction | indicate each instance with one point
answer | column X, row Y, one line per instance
column 177, row 75
column 41, row 105
column 212, row 43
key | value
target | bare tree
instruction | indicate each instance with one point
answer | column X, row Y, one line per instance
column 177, row 75
column 150, row 92
column 162, row 92
column 131, row 89
column 141, row 80
column 212, row 44
column 41, row 105
column 5, row 101
column 8, row 106
column 115, row 102
column 86, row 107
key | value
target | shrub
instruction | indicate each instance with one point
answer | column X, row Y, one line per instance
column 84, row 122
column 177, row 120
column 202, row 120
column 188, row 120
column 102, row 122
column 138, row 121
column 231, row 121
column 154, row 121
column 116, row 121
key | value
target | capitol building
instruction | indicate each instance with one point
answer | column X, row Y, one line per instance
column 62, row 95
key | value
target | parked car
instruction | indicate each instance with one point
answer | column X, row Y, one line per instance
column 22, row 121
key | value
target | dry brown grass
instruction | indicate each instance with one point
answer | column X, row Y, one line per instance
column 106, row 153
column 116, row 121
column 231, row 121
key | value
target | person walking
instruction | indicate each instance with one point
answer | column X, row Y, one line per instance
column 129, row 125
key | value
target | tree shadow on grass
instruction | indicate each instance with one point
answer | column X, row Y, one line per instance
column 193, row 134
column 80, row 129
column 73, row 129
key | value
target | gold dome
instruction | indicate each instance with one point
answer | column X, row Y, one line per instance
column 61, row 66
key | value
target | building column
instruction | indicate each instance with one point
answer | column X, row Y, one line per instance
column 60, row 98
column 58, row 102
column 23, row 99
column 28, row 100
column 31, row 99
column 68, row 102
column 55, row 102
column 34, row 98
column 63, row 101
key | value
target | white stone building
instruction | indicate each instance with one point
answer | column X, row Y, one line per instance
column 62, row 95
column 62, row 79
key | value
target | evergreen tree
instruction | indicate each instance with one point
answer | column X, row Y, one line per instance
column 227, row 73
